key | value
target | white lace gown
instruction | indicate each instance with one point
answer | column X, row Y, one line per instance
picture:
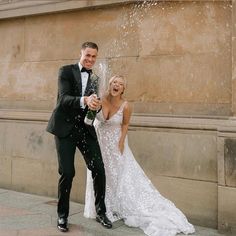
column 130, row 195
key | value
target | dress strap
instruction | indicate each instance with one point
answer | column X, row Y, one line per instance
column 122, row 106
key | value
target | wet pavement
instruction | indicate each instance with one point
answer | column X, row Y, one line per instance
column 24, row 214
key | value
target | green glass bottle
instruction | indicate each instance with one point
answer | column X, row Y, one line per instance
column 90, row 117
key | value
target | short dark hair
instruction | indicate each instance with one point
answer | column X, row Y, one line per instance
column 89, row 45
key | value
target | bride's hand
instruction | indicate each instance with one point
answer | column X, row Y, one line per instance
column 121, row 146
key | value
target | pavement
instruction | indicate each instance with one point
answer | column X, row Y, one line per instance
column 24, row 214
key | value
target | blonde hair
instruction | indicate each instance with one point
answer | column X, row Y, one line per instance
column 116, row 77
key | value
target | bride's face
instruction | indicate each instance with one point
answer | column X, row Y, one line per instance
column 117, row 87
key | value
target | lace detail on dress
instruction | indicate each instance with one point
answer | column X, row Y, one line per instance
column 130, row 195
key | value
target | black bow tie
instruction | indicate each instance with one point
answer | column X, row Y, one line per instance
column 89, row 71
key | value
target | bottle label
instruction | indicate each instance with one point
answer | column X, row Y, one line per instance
column 88, row 121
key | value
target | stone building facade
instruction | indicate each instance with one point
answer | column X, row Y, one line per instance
column 179, row 61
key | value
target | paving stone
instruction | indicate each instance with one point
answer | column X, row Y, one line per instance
column 31, row 215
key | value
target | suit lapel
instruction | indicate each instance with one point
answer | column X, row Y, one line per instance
column 77, row 75
column 92, row 85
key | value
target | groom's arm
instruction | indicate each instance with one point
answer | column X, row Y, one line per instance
column 66, row 90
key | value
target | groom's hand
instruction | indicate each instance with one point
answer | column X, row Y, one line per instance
column 93, row 102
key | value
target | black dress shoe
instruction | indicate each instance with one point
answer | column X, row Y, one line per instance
column 104, row 221
column 62, row 224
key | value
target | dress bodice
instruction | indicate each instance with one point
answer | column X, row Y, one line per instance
column 114, row 120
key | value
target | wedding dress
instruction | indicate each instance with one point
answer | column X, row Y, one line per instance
column 130, row 195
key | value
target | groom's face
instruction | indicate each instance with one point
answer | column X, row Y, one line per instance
column 88, row 57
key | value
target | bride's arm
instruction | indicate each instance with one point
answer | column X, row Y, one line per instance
column 124, row 126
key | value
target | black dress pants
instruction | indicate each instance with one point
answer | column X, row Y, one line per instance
column 89, row 148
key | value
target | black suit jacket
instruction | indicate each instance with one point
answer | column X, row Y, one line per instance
column 68, row 110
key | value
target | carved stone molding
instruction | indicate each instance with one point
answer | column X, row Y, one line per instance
column 139, row 120
column 19, row 8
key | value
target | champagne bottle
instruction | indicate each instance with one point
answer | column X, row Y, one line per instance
column 90, row 116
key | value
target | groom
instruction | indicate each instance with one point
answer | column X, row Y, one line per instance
column 76, row 83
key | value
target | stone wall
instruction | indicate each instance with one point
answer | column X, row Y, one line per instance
column 178, row 57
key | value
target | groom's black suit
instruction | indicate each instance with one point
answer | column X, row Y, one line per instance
column 67, row 124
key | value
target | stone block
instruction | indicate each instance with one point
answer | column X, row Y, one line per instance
column 196, row 199
column 30, row 140
column 221, row 160
column 158, row 84
column 181, row 109
column 227, row 209
column 179, row 27
column 45, row 35
column 196, row 82
column 5, row 172
column 34, row 176
column 230, row 162
column 29, row 81
column 181, row 154
column 12, row 41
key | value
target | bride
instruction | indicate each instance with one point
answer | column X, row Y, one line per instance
column 130, row 195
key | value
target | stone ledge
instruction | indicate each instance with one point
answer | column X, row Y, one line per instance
column 24, row 115
column 9, row 9
column 221, row 124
